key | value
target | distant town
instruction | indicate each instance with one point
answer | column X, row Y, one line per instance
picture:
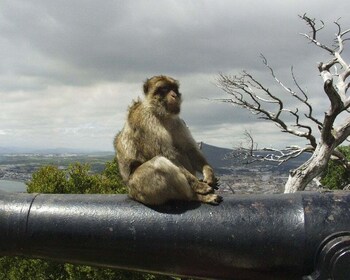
column 235, row 177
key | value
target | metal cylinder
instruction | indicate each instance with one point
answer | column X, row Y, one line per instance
column 245, row 237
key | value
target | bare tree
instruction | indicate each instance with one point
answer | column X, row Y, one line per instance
column 247, row 92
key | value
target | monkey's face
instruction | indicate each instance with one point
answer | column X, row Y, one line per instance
column 163, row 93
column 170, row 98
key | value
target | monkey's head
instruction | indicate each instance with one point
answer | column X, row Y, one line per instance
column 162, row 93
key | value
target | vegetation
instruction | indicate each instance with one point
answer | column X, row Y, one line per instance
column 337, row 176
column 77, row 178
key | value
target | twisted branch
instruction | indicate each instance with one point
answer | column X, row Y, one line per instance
column 247, row 92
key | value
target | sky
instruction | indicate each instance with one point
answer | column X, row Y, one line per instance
column 69, row 69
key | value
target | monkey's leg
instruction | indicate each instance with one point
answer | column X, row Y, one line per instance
column 159, row 180
column 203, row 191
column 198, row 186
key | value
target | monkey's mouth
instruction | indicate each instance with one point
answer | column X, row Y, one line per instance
column 173, row 109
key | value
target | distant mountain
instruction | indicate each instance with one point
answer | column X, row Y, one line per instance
column 218, row 157
column 226, row 160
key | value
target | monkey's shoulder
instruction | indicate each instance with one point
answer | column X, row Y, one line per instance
column 135, row 112
column 135, row 106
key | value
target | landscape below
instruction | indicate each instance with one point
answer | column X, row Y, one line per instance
column 17, row 167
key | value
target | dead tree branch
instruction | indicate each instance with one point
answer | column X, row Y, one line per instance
column 247, row 92
column 250, row 153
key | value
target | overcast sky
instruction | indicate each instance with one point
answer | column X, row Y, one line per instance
column 69, row 69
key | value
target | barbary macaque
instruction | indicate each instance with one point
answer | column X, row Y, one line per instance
column 157, row 155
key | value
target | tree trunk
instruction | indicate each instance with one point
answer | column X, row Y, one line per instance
column 300, row 177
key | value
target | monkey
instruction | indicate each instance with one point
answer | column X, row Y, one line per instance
column 157, row 155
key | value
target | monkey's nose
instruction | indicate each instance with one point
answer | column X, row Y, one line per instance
column 173, row 94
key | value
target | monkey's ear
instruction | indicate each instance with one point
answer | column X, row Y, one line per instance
column 146, row 86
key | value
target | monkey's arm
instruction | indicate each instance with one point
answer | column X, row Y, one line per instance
column 196, row 157
column 126, row 153
column 200, row 164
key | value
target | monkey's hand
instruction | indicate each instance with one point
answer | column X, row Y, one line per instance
column 209, row 177
column 202, row 187
column 214, row 184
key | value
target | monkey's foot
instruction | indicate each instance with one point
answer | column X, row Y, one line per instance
column 202, row 188
column 213, row 199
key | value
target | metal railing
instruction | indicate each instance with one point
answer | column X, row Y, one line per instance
column 281, row 236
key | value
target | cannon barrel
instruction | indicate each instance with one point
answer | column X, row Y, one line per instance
column 280, row 236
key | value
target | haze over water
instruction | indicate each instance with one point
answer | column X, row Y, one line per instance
column 12, row 186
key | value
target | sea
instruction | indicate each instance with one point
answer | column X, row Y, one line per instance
column 12, row 186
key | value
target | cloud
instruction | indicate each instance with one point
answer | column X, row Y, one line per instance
column 77, row 44
column 70, row 68
column 66, row 116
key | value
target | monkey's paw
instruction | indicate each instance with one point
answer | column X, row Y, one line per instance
column 214, row 182
column 213, row 199
column 202, row 188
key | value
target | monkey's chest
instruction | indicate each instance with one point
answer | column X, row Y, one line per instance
column 158, row 142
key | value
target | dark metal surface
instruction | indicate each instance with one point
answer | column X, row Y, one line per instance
column 245, row 237
column 333, row 258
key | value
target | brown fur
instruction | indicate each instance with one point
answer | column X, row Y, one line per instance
column 158, row 158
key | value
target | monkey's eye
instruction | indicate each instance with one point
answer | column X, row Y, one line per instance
column 165, row 89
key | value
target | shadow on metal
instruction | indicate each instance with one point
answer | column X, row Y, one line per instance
column 283, row 236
